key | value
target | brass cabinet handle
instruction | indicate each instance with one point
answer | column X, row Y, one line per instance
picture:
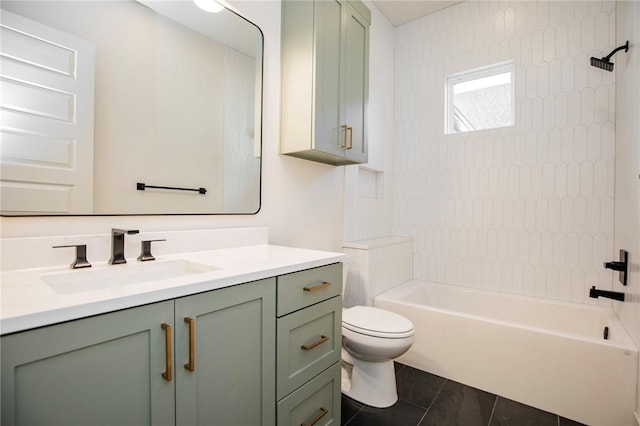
column 324, row 284
column 167, row 375
column 191, row 365
column 316, row 419
column 346, row 128
column 318, row 342
column 350, row 137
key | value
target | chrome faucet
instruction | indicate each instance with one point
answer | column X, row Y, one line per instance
column 117, row 245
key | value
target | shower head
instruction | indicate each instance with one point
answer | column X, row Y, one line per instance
column 602, row 63
column 605, row 63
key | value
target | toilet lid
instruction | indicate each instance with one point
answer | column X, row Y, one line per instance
column 376, row 322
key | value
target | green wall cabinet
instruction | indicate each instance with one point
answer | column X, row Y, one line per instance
column 325, row 80
column 203, row 359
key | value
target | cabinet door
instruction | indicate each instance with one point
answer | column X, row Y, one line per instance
column 356, row 45
column 103, row 370
column 329, row 70
column 233, row 362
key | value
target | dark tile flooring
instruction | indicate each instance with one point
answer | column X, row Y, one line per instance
column 428, row 400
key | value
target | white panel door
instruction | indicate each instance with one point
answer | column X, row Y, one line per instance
column 46, row 119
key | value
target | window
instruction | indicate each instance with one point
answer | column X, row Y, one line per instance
column 480, row 99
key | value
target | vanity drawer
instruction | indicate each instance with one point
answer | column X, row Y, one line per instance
column 301, row 289
column 308, row 342
column 318, row 400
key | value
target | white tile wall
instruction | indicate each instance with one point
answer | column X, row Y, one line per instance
column 368, row 214
column 526, row 209
column 627, row 206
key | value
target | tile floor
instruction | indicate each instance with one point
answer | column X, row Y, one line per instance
column 429, row 400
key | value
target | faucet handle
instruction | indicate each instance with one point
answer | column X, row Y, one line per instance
column 124, row 231
column 145, row 251
column 81, row 256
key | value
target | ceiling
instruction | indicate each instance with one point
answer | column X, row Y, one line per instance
column 402, row 11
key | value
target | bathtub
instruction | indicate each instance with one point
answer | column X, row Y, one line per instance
column 547, row 354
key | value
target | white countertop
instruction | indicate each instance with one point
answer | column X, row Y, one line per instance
column 27, row 301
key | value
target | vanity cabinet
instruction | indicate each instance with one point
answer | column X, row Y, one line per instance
column 226, row 337
column 201, row 359
column 309, row 343
column 325, row 80
column 106, row 368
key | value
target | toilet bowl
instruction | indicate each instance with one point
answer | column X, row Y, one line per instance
column 371, row 339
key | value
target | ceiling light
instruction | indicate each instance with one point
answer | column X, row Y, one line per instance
column 209, row 5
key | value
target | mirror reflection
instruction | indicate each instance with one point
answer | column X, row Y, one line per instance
column 128, row 107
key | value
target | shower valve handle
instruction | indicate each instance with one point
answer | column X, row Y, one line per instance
column 616, row 266
column 621, row 266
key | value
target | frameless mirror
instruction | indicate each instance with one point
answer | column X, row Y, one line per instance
column 128, row 107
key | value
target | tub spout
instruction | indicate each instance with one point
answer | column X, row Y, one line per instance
column 615, row 295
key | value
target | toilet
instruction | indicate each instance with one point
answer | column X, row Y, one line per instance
column 371, row 339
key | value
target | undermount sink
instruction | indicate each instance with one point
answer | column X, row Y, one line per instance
column 114, row 276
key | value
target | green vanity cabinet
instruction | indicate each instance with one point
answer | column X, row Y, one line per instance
column 105, row 370
column 325, row 80
column 132, row 367
column 233, row 377
column 309, row 344
column 260, row 353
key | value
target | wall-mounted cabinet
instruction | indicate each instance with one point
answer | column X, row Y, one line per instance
column 325, row 80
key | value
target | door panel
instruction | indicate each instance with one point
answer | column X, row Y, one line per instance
column 100, row 370
column 329, row 69
column 233, row 382
column 47, row 100
column 356, row 86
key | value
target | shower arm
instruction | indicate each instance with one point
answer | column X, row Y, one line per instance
column 613, row 52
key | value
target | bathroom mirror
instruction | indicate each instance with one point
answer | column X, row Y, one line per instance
column 128, row 107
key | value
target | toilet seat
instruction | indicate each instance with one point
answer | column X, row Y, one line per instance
column 377, row 323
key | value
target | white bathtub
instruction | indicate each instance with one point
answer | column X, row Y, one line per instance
column 547, row 354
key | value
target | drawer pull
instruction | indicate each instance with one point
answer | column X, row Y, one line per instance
column 167, row 375
column 191, row 365
column 316, row 419
column 324, row 284
column 316, row 343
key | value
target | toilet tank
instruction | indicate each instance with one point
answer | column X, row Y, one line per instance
column 375, row 266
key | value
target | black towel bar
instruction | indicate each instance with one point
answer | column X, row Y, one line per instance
column 142, row 186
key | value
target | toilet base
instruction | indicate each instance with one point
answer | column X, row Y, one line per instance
column 371, row 383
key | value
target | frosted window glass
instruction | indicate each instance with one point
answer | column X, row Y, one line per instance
column 480, row 99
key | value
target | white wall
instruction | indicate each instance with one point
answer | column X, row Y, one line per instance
column 627, row 185
column 302, row 201
column 526, row 209
column 369, row 188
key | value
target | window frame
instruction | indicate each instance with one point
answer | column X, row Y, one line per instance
column 475, row 74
